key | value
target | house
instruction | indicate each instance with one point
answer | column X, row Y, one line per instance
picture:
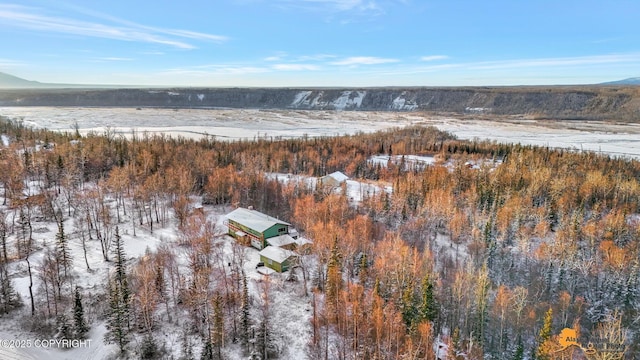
column 332, row 180
column 249, row 226
column 277, row 258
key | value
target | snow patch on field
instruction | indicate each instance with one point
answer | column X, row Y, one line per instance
column 38, row 347
column 347, row 101
column 400, row 103
column 356, row 190
column 301, row 99
column 410, row 161
column 306, row 181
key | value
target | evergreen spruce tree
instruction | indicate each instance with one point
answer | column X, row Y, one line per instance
column 519, row 354
column 64, row 328
column 543, row 351
column 428, row 306
column 376, row 288
column 80, row 327
column 408, row 306
column 63, row 258
column 120, row 258
column 117, row 318
column 9, row 298
column 363, row 269
column 244, row 315
column 119, row 300
column 3, row 240
column 148, row 348
column 207, row 351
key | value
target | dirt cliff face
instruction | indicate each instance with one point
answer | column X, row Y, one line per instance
column 596, row 102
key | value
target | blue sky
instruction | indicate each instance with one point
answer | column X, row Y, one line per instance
column 321, row 42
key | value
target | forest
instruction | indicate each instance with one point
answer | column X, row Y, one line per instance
column 536, row 240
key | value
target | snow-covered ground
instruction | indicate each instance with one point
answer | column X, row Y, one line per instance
column 410, row 161
column 290, row 308
column 196, row 123
column 618, row 139
column 356, row 190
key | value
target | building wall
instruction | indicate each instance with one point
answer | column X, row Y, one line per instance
column 253, row 237
column 279, row 267
column 328, row 181
column 275, row 230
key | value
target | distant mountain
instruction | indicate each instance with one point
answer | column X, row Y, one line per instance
column 13, row 82
column 8, row 81
column 629, row 81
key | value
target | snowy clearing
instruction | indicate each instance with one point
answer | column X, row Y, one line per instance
column 289, row 309
column 356, row 191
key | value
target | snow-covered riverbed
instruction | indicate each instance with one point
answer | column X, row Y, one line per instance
column 617, row 139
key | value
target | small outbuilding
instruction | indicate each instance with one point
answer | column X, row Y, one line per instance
column 283, row 241
column 276, row 258
column 252, row 227
column 332, row 180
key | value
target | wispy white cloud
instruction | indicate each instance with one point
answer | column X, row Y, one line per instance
column 317, row 57
column 190, row 34
column 113, row 58
column 337, row 5
column 363, row 60
column 556, row 62
column 434, row 57
column 605, row 41
column 8, row 63
column 152, row 52
column 285, row 57
column 356, row 9
column 539, row 66
column 295, row 67
column 346, row 5
column 216, row 69
column 168, row 31
column 277, row 56
column 34, row 19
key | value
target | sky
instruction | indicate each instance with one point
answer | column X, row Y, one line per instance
column 280, row 43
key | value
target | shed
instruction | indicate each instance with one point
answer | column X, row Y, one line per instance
column 303, row 246
column 283, row 241
column 276, row 258
column 253, row 227
column 332, row 180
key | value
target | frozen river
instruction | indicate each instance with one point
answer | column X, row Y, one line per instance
column 617, row 139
